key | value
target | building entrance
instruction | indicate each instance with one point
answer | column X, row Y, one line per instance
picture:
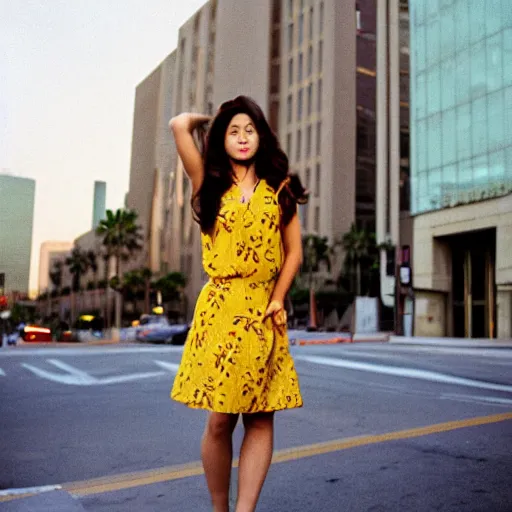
column 473, row 284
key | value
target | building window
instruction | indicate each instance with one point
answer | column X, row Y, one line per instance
column 321, row 21
column 310, row 98
column 301, row 28
column 288, row 145
column 299, row 70
column 290, row 71
column 318, row 138
column 299, row 106
column 299, row 147
column 290, row 37
column 317, row 219
column 308, row 178
column 320, row 55
column 319, row 97
column 310, row 60
column 289, row 109
column 290, row 8
column 308, row 141
column 311, row 24
column 317, row 181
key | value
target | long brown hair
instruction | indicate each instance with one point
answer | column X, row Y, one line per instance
column 271, row 164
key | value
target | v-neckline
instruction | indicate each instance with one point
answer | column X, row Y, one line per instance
column 240, row 193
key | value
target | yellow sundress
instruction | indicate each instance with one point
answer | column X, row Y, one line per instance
column 233, row 361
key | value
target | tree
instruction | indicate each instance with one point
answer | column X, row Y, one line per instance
column 77, row 264
column 316, row 251
column 92, row 264
column 359, row 246
column 121, row 239
column 170, row 286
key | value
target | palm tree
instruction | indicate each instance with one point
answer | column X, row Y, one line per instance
column 316, row 251
column 77, row 264
column 359, row 245
column 92, row 264
column 121, row 238
column 56, row 279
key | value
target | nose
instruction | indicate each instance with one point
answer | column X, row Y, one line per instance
column 242, row 138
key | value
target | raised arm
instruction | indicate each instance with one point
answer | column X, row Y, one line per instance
column 183, row 127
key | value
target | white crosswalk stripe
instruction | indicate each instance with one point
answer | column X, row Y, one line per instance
column 2, row 373
column 412, row 373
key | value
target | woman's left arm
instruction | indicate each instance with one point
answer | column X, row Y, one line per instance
column 292, row 243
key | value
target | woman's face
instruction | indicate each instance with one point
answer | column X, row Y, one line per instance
column 241, row 140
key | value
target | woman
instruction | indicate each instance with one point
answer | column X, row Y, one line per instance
column 236, row 358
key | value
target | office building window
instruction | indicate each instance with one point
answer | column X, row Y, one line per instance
column 318, row 138
column 290, row 37
column 301, row 28
column 289, row 145
column 290, row 71
column 317, row 181
column 317, row 219
column 311, row 23
column 310, row 60
column 307, row 179
column 299, row 147
column 308, row 141
column 299, row 106
column 321, row 20
column 299, row 69
column 319, row 97
column 310, row 98
column 289, row 109
column 290, row 8
column 320, row 55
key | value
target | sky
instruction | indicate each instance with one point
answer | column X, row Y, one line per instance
column 68, row 72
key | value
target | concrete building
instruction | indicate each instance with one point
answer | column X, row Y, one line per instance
column 50, row 252
column 99, row 203
column 16, row 221
column 461, row 167
column 151, row 161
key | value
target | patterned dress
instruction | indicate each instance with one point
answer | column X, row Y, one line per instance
column 233, row 361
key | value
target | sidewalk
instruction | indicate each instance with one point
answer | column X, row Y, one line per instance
column 48, row 501
column 451, row 342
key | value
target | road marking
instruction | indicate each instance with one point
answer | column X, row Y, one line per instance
column 27, row 491
column 76, row 377
column 172, row 367
column 137, row 479
column 88, row 351
column 405, row 372
column 2, row 373
column 477, row 399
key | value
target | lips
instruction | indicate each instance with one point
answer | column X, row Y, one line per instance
column 244, row 150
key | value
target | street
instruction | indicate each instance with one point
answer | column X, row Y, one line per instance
column 383, row 428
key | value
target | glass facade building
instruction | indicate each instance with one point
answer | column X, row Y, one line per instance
column 461, row 102
column 16, row 220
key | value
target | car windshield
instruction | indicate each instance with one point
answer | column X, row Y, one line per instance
column 156, row 319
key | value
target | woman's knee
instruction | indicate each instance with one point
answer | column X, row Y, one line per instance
column 221, row 425
column 259, row 420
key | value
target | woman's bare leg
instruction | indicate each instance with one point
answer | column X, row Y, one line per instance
column 255, row 458
column 217, row 455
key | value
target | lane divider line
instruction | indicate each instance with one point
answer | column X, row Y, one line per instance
column 131, row 480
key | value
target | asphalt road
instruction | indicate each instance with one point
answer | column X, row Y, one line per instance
column 383, row 428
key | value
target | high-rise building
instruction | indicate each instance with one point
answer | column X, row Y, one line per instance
column 461, row 166
column 100, row 198
column 16, row 221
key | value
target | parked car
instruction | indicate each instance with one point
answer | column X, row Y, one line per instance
column 35, row 333
column 157, row 329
